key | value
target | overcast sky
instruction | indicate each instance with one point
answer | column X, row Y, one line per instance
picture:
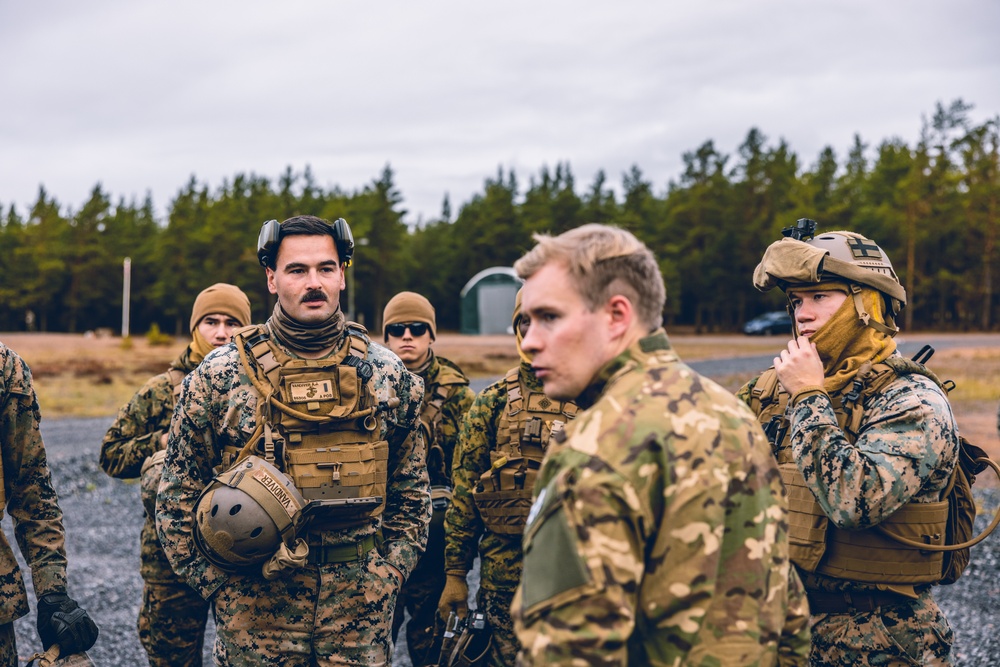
column 140, row 96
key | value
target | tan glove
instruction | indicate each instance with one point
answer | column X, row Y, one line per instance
column 455, row 596
column 286, row 559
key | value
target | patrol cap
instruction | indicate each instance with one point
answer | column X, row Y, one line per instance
column 409, row 307
column 221, row 298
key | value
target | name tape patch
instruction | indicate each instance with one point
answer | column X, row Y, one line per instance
column 315, row 390
column 277, row 490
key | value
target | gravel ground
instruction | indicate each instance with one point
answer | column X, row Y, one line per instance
column 103, row 517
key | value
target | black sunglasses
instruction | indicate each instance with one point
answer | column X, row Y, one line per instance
column 397, row 330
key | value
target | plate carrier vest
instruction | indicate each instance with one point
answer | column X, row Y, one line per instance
column 503, row 493
column 318, row 422
column 815, row 544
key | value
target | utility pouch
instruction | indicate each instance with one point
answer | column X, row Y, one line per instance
column 503, row 494
column 807, row 523
column 961, row 515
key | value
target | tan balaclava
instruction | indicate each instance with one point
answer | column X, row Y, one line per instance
column 221, row 298
column 844, row 343
column 409, row 307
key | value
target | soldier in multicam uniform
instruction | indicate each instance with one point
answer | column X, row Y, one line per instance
column 658, row 535
column 499, row 451
column 307, row 393
column 26, row 494
column 409, row 328
column 172, row 617
column 866, row 442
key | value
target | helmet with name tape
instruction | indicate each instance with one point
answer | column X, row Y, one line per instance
column 244, row 514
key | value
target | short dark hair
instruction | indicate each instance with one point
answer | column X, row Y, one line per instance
column 302, row 225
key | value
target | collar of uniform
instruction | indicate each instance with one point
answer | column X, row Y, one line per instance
column 530, row 380
column 294, row 354
column 636, row 354
column 184, row 363
column 430, row 368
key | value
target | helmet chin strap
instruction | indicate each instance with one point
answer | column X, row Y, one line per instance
column 865, row 316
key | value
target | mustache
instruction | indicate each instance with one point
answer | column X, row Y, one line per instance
column 314, row 295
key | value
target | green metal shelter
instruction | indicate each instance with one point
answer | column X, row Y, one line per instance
column 488, row 301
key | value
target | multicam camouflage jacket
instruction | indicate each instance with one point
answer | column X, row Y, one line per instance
column 27, row 494
column 134, row 437
column 135, row 434
column 906, row 449
column 447, row 398
column 658, row 535
column 218, row 407
column 500, row 555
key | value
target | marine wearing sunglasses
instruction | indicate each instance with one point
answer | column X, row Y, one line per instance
column 417, row 329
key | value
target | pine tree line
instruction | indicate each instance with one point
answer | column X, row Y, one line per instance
column 933, row 206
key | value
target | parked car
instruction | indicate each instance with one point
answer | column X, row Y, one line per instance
column 776, row 322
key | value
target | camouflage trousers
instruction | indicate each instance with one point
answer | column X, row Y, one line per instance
column 333, row 614
column 172, row 624
column 173, row 615
column 911, row 633
column 8, row 647
column 504, row 646
column 419, row 596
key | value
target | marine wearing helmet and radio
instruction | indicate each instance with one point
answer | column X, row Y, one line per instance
column 409, row 325
column 295, row 494
column 866, row 443
column 172, row 616
column 500, row 448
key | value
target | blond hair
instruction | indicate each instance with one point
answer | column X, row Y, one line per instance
column 603, row 262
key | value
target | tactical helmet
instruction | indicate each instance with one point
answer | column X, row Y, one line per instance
column 245, row 513
column 839, row 255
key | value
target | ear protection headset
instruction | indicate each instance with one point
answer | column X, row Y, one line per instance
column 270, row 238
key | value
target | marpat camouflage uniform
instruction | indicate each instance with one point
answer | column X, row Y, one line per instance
column 906, row 451
column 465, row 531
column 172, row 617
column 28, row 497
column 333, row 613
column 421, row 591
column 659, row 531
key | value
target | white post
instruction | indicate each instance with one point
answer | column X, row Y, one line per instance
column 126, row 289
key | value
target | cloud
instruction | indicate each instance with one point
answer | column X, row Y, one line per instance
column 139, row 96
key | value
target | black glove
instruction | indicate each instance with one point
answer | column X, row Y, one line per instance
column 61, row 621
